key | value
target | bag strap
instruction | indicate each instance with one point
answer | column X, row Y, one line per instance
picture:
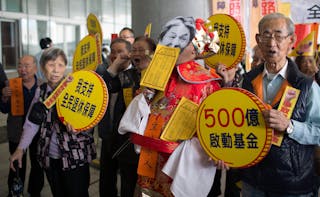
column 43, row 90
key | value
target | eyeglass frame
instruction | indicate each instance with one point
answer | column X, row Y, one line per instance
column 126, row 37
column 277, row 38
column 25, row 66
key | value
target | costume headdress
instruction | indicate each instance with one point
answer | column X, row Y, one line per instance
column 205, row 42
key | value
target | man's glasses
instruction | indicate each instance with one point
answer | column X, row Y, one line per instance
column 138, row 50
column 269, row 37
column 24, row 66
column 126, row 37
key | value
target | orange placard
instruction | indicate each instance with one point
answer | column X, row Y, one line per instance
column 148, row 158
column 234, row 130
column 255, row 16
column 17, row 104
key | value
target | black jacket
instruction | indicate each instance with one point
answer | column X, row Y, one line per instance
column 289, row 168
column 108, row 126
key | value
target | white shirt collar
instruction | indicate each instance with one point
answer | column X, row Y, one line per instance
column 129, row 67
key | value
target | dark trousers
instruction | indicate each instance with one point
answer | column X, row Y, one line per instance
column 108, row 168
column 71, row 183
column 22, row 171
column 36, row 176
column 129, row 176
column 232, row 177
column 231, row 189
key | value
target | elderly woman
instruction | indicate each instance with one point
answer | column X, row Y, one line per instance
column 308, row 66
column 142, row 51
column 64, row 154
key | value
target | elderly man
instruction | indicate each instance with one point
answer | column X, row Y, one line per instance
column 127, row 34
column 120, row 75
column 287, row 170
column 27, row 69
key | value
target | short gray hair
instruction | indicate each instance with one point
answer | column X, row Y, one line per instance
column 276, row 15
column 52, row 53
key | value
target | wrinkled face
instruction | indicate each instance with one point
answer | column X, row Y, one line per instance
column 54, row 71
column 274, row 41
column 140, row 54
column 27, row 68
column 119, row 49
column 127, row 35
column 177, row 36
column 308, row 66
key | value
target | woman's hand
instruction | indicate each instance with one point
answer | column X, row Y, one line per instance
column 17, row 155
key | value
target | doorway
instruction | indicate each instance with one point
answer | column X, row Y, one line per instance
column 9, row 44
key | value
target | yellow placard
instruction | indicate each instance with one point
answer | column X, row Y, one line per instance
column 287, row 104
column 87, row 55
column 232, row 40
column 17, row 100
column 160, row 68
column 84, row 101
column 307, row 46
column 147, row 31
column 127, row 95
column 231, row 127
column 182, row 124
column 93, row 26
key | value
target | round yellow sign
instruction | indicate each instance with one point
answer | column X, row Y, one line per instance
column 87, row 55
column 230, row 127
column 232, row 40
column 84, row 101
column 94, row 26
